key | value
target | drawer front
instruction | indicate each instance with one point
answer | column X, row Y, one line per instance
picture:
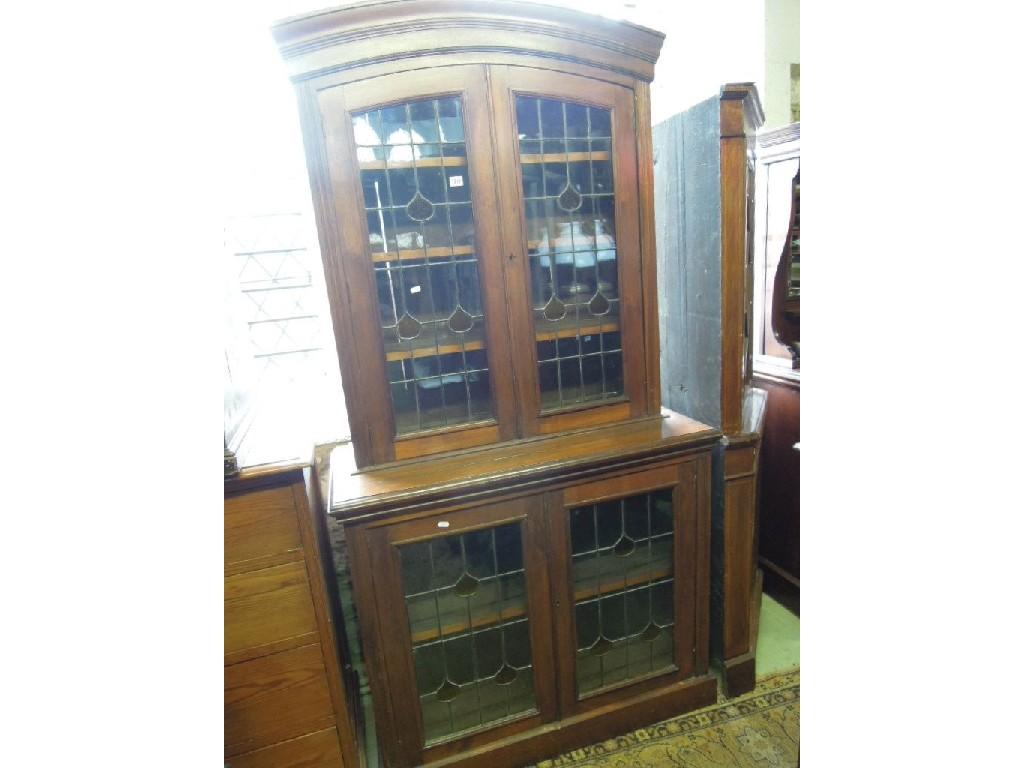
column 266, row 611
column 260, row 529
column 275, row 698
column 317, row 750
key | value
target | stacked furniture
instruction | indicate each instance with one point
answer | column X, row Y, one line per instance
column 528, row 529
column 704, row 197
column 284, row 696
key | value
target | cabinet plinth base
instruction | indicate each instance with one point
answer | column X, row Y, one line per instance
column 739, row 674
column 590, row 727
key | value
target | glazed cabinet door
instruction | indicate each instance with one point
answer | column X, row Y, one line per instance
column 630, row 584
column 415, row 253
column 464, row 606
column 567, row 152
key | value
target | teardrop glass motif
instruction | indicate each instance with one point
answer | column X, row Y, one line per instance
column 447, row 691
column 554, row 309
column 505, row 675
column 466, row 585
column 601, row 647
column 460, row 320
column 569, row 199
column 599, row 305
column 419, row 208
column 409, row 327
column 651, row 631
column 624, row 547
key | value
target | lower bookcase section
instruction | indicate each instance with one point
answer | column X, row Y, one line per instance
column 506, row 622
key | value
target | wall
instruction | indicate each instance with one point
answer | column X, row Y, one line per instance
column 706, row 45
column 782, row 48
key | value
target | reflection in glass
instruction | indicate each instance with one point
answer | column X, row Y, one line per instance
column 564, row 151
column 419, row 218
column 465, row 597
column 622, row 577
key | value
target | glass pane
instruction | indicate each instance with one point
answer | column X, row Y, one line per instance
column 570, row 223
column 465, row 597
column 419, row 216
column 622, row 578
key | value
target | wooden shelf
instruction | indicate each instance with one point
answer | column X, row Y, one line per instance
column 408, row 254
column 567, row 328
column 422, row 162
column 431, row 349
column 635, row 580
column 482, row 621
column 563, row 157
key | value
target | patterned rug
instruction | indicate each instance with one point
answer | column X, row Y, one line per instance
column 756, row 730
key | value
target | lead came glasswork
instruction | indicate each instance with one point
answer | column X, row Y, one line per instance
column 465, row 597
column 419, row 216
column 565, row 157
column 622, row 575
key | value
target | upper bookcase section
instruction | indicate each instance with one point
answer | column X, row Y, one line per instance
column 367, row 33
column 482, row 180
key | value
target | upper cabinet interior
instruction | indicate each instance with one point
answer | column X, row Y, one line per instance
column 485, row 218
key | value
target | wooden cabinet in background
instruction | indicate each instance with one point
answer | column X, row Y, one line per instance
column 776, row 358
column 284, row 697
column 704, row 192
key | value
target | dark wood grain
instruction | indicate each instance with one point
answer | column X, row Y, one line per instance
column 589, row 727
column 320, row 571
column 740, row 115
column 506, row 83
column 355, row 57
column 518, row 465
column 542, row 508
column 648, row 255
column 779, row 546
column 372, row 633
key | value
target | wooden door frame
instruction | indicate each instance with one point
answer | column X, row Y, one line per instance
column 350, row 273
column 689, row 481
column 505, row 83
column 392, row 637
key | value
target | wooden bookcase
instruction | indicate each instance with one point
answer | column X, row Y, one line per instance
column 528, row 530
column 480, row 209
column 518, row 604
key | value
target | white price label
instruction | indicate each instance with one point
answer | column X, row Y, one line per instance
column 454, row 181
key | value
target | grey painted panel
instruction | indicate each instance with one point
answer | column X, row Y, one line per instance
column 687, row 206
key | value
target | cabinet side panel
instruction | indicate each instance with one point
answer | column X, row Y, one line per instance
column 733, row 182
column 686, row 203
column 648, row 246
column 366, row 430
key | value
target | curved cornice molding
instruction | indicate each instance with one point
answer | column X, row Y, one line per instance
column 367, row 33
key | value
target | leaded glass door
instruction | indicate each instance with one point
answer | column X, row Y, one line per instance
column 627, row 610
column 466, row 606
column 571, row 166
column 410, row 157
